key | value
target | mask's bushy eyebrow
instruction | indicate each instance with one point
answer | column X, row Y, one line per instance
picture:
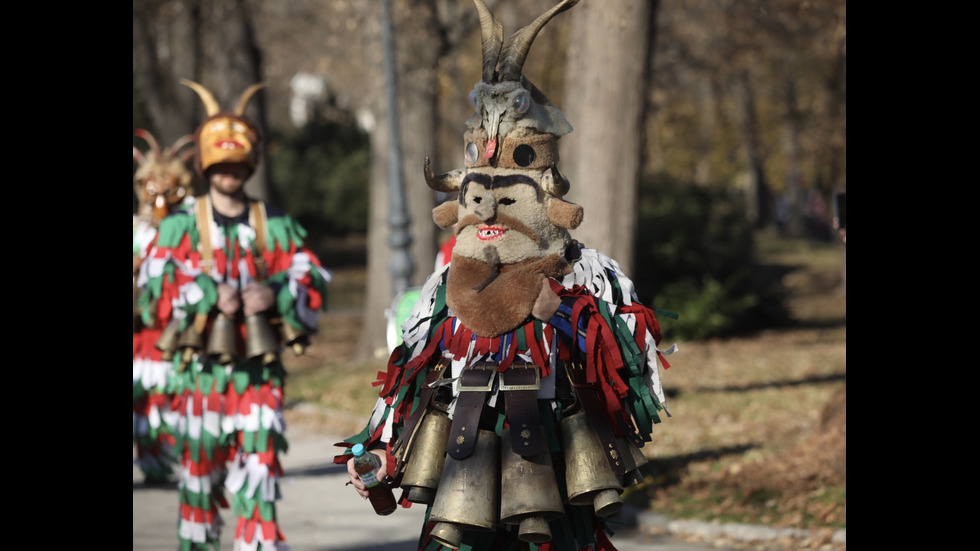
column 513, row 180
column 497, row 182
column 477, row 177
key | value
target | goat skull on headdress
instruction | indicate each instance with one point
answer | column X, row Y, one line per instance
column 505, row 100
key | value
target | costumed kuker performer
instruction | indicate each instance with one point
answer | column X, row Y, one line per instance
column 528, row 377
column 162, row 183
column 234, row 284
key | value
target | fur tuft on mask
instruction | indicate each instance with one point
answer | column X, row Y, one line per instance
column 506, row 301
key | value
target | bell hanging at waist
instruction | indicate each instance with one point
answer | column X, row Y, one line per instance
column 260, row 341
column 529, row 496
column 468, row 497
column 426, row 458
column 588, row 477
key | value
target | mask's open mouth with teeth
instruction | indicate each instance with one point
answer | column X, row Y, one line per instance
column 228, row 144
column 487, row 233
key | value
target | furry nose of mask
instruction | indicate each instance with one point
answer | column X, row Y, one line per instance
column 487, row 207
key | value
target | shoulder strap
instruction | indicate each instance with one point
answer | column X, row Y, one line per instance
column 257, row 219
column 204, row 219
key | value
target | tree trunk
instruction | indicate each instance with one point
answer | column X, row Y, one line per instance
column 605, row 83
column 415, row 39
column 230, row 63
column 707, row 126
column 417, row 48
column 753, row 184
column 165, row 48
column 208, row 41
column 795, row 185
column 379, row 287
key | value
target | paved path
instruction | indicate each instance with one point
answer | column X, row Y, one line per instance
column 319, row 513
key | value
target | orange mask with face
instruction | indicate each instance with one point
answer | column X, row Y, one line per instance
column 226, row 136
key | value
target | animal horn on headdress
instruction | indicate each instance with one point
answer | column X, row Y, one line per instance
column 211, row 105
column 493, row 40
column 246, row 97
column 138, row 155
column 154, row 144
column 553, row 182
column 446, row 183
column 181, row 142
column 517, row 46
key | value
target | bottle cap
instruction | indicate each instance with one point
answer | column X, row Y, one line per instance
column 357, row 450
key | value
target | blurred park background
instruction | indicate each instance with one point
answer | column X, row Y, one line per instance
column 709, row 141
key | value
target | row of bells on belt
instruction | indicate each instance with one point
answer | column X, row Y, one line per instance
column 495, row 485
column 221, row 346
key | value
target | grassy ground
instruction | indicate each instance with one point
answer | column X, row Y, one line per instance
column 758, row 427
column 758, row 433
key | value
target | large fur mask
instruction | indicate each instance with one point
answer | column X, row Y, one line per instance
column 510, row 234
column 510, row 220
column 506, row 216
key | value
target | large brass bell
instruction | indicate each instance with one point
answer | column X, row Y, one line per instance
column 167, row 343
column 633, row 458
column 189, row 342
column 588, row 477
column 426, row 458
column 296, row 339
column 260, row 342
column 221, row 340
column 468, row 497
column 529, row 492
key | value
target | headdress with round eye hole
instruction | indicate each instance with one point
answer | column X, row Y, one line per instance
column 226, row 136
column 162, row 179
column 510, row 111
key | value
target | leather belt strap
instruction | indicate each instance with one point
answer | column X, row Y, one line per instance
column 587, row 394
column 474, row 383
column 425, row 399
column 402, row 450
column 521, row 406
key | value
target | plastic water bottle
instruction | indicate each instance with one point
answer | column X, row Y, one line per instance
column 367, row 465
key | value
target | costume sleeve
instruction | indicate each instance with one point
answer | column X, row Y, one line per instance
column 617, row 339
column 401, row 384
column 297, row 276
column 172, row 277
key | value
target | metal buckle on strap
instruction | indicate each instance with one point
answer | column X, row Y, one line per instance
column 207, row 266
column 471, row 379
column 260, row 272
column 536, row 385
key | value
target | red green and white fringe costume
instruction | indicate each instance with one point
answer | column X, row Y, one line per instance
column 600, row 321
column 152, row 435
column 229, row 423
